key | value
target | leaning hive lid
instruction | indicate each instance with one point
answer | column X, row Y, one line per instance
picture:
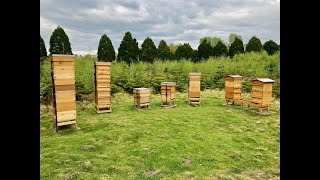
column 266, row 80
column 235, row 76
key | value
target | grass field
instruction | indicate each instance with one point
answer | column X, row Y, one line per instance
column 212, row 141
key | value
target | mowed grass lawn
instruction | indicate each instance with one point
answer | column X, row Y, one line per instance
column 212, row 141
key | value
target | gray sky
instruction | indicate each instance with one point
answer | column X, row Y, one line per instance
column 175, row 21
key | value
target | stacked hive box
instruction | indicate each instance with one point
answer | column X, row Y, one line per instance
column 102, row 87
column 262, row 93
column 63, row 90
column 194, row 88
column 168, row 92
column 233, row 88
column 141, row 97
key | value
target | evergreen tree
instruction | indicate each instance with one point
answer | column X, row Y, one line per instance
column 220, row 50
column 184, row 51
column 205, row 50
column 43, row 50
column 148, row 50
column 236, row 47
column 59, row 42
column 163, row 51
column 254, row 45
column 106, row 51
column 271, row 47
column 128, row 50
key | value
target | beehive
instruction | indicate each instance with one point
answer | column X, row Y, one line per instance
column 233, row 88
column 261, row 93
column 194, row 88
column 168, row 93
column 102, row 87
column 141, row 97
column 63, row 90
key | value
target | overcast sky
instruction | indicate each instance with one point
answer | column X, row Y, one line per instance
column 175, row 21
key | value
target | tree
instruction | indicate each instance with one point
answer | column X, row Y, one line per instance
column 59, row 42
column 148, row 51
column 195, row 56
column 236, row 47
column 173, row 48
column 205, row 50
column 128, row 50
column 106, row 51
column 212, row 40
column 163, row 51
column 184, row 51
column 271, row 47
column 254, row 45
column 43, row 50
column 220, row 50
column 232, row 37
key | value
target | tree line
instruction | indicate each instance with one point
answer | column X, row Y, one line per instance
column 130, row 52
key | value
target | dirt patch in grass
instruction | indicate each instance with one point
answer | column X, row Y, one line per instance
column 152, row 172
column 186, row 161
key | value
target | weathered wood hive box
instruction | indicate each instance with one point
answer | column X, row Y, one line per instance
column 168, row 92
column 141, row 97
column 102, row 87
column 194, row 88
column 63, row 89
column 233, row 87
column 262, row 91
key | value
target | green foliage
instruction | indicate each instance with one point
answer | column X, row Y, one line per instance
column 106, row 51
column 173, row 48
column 213, row 41
column 254, row 45
column 43, row 50
column 148, row 51
column 59, row 42
column 184, row 52
column 271, row 47
column 163, row 51
column 205, row 50
column 220, row 50
column 128, row 50
column 233, row 37
column 236, row 47
column 45, row 81
column 195, row 56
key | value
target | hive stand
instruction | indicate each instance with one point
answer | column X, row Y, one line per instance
column 141, row 97
column 233, row 89
column 168, row 94
column 63, row 90
column 102, row 83
column 194, row 89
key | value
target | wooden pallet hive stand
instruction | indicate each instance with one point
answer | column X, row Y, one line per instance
column 63, row 90
column 102, row 77
column 233, row 88
column 194, row 88
column 168, row 93
column 141, row 97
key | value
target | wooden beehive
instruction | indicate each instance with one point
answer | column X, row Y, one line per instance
column 63, row 90
column 261, row 93
column 233, row 88
column 102, row 87
column 168, row 92
column 141, row 97
column 194, row 88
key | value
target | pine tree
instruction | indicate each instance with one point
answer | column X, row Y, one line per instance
column 128, row 50
column 148, row 51
column 184, row 52
column 220, row 49
column 163, row 51
column 43, row 50
column 205, row 50
column 59, row 42
column 254, row 45
column 271, row 47
column 106, row 51
column 236, row 47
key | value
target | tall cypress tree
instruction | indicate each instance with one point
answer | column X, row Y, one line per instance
column 148, row 50
column 43, row 50
column 254, row 45
column 106, row 51
column 184, row 51
column 205, row 50
column 59, row 42
column 163, row 51
column 220, row 49
column 271, row 47
column 236, row 47
column 128, row 50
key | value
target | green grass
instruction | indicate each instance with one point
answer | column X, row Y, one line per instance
column 212, row 141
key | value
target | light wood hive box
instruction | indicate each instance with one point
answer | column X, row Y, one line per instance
column 141, row 97
column 63, row 89
column 102, row 78
column 262, row 91
column 168, row 92
column 233, row 87
column 194, row 88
